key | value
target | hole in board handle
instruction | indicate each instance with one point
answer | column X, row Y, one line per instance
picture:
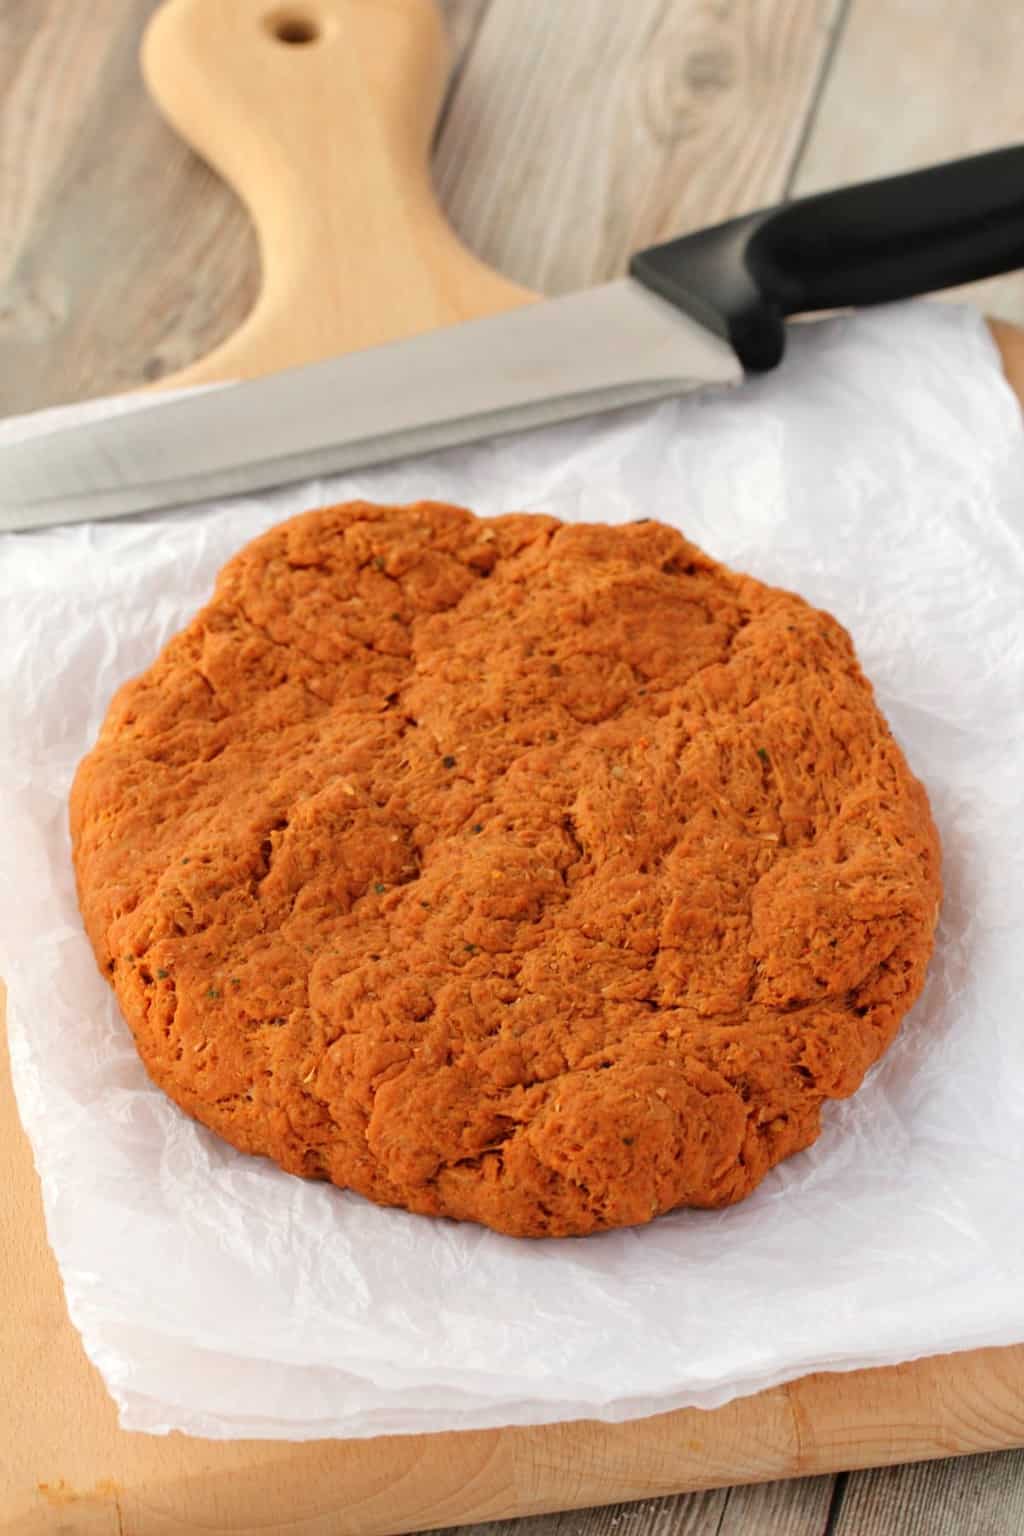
column 293, row 27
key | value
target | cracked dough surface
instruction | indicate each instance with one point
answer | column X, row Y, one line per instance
column 546, row 876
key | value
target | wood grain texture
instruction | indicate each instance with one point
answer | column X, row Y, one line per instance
column 915, row 82
column 127, row 254
column 682, row 113
column 796, row 1508
column 43, row 56
column 980, row 1497
column 462, row 19
column 65, row 1465
column 1010, row 341
column 122, row 256
column 690, row 1514
column 325, row 133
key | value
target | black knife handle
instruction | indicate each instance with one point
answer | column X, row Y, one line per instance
column 866, row 244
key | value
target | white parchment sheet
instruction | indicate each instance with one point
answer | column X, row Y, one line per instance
column 881, row 474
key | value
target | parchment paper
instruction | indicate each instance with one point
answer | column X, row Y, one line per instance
column 881, row 473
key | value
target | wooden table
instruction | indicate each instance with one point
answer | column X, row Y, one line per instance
column 571, row 135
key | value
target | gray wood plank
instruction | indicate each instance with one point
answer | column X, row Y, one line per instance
column 581, row 133
column 966, row 1496
column 799, row 1507
column 131, row 256
column 796, row 1508
column 690, row 1514
column 122, row 257
column 919, row 81
column 462, row 19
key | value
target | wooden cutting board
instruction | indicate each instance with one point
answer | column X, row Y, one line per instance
column 320, row 112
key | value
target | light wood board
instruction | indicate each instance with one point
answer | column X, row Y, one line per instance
column 646, row 157
column 65, row 1465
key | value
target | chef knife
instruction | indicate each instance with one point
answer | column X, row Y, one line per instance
column 702, row 310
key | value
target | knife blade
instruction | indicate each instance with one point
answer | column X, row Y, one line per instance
column 547, row 362
column 696, row 311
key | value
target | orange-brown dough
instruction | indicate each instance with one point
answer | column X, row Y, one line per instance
column 538, row 875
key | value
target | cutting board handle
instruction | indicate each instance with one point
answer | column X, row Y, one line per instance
column 320, row 114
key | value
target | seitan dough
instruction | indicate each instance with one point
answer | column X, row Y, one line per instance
column 541, row 875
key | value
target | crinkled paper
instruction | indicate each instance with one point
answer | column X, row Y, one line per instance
column 881, row 474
